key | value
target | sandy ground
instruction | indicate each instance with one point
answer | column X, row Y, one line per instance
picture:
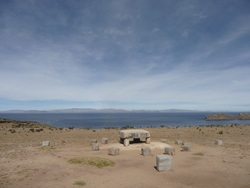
column 24, row 163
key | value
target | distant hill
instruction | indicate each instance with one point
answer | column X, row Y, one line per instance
column 91, row 110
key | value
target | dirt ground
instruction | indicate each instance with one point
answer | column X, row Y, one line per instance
column 24, row 163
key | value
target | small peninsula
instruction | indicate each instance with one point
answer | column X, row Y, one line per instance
column 222, row 116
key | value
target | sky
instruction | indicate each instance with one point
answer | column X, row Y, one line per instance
column 125, row 54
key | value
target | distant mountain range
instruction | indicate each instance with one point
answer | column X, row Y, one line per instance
column 91, row 110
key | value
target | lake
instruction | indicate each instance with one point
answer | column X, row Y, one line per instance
column 108, row 120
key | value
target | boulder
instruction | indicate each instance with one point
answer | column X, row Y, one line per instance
column 46, row 143
column 95, row 147
column 164, row 162
column 169, row 150
column 104, row 141
column 93, row 141
column 186, row 147
column 114, row 151
column 145, row 151
column 218, row 142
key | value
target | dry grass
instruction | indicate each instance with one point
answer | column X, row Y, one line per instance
column 47, row 147
column 198, row 154
column 80, row 183
column 94, row 161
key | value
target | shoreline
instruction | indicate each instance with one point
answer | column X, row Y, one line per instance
column 209, row 124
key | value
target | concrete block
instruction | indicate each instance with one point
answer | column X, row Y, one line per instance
column 114, row 151
column 95, row 147
column 178, row 142
column 145, row 151
column 186, row 147
column 105, row 141
column 218, row 142
column 170, row 150
column 93, row 141
column 46, row 143
column 164, row 162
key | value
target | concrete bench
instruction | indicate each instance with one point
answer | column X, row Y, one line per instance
column 130, row 135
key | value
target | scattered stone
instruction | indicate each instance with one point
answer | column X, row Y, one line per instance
column 114, row 151
column 179, row 142
column 46, row 143
column 104, row 141
column 218, row 142
column 145, row 151
column 163, row 162
column 95, row 147
column 93, row 141
column 170, row 150
column 186, row 147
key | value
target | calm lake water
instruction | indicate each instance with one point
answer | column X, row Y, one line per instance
column 106, row 120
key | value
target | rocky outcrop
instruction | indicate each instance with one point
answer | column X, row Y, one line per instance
column 222, row 116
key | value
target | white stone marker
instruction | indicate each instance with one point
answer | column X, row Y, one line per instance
column 114, row 151
column 93, row 141
column 163, row 162
column 186, row 147
column 178, row 142
column 218, row 142
column 170, row 150
column 145, row 151
column 95, row 147
column 104, row 141
column 46, row 143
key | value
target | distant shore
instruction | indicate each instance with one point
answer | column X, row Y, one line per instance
column 118, row 120
column 222, row 116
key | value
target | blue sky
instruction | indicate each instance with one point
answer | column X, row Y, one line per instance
column 126, row 54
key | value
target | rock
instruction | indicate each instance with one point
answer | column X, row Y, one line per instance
column 145, row 151
column 186, row 147
column 218, row 142
column 163, row 162
column 114, row 151
column 170, row 150
column 95, row 147
column 104, row 141
column 178, row 142
column 93, row 141
column 46, row 143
